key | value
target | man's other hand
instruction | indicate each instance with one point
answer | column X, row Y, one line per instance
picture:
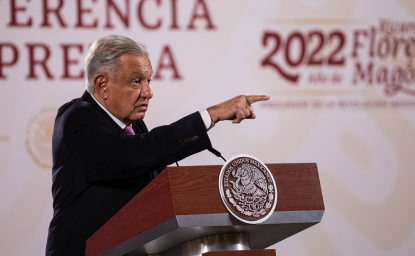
column 236, row 109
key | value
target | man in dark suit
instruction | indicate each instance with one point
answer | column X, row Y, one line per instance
column 103, row 154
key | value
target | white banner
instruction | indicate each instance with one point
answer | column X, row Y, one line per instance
column 340, row 74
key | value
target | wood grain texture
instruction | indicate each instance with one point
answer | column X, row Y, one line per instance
column 298, row 187
column 150, row 207
column 268, row 252
column 195, row 188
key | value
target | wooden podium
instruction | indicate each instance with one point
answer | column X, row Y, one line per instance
column 183, row 204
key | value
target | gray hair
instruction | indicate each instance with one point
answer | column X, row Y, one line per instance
column 105, row 53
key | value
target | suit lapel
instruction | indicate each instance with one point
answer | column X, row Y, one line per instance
column 87, row 97
column 140, row 127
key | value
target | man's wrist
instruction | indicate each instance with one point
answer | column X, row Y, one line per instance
column 207, row 120
column 212, row 114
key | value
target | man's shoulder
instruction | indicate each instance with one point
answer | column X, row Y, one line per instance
column 75, row 105
column 77, row 111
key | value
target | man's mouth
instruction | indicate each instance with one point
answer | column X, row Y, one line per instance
column 143, row 107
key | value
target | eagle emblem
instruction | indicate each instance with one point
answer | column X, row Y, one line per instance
column 248, row 189
column 253, row 181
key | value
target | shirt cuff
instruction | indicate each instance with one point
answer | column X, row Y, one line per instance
column 206, row 119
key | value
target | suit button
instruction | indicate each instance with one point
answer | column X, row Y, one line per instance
column 195, row 137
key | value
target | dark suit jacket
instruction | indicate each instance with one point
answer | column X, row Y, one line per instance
column 98, row 168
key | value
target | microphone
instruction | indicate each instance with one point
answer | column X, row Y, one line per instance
column 213, row 151
column 216, row 153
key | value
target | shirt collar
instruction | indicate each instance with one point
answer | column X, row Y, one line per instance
column 116, row 120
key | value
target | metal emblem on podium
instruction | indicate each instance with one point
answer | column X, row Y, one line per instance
column 248, row 189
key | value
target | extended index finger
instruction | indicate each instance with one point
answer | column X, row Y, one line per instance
column 254, row 98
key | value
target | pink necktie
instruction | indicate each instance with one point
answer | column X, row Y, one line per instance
column 129, row 130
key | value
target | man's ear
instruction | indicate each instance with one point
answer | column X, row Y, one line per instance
column 100, row 83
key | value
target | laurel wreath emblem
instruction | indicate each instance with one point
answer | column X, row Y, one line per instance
column 253, row 206
column 248, row 189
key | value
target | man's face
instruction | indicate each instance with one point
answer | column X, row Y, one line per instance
column 129, row 88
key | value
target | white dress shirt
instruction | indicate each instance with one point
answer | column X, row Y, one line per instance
column 116, row 120
column 204, row 113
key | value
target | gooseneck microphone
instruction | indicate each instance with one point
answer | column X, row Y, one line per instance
column 216, row 153
column 213, row 151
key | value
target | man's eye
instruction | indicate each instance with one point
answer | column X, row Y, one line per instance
column 149, row 80
column 137, row 81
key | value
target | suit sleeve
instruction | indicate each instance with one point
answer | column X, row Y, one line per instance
column 102, row 154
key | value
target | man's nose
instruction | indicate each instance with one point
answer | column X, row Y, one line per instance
column 146, row 91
